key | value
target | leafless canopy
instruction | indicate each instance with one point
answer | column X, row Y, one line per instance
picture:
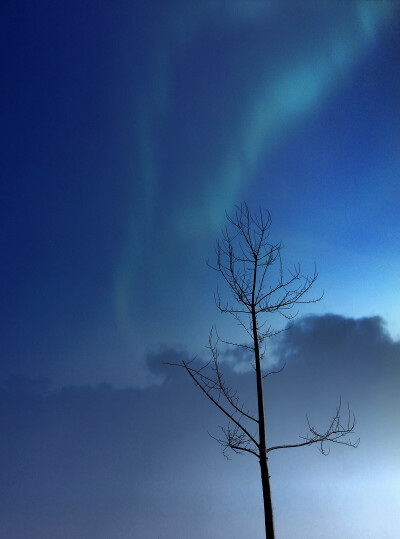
column 251, row 266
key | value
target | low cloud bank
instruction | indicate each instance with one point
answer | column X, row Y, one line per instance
column 105, row 462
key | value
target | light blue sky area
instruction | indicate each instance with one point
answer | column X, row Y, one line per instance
column 225, row 107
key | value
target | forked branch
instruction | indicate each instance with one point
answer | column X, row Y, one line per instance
column 335, row 433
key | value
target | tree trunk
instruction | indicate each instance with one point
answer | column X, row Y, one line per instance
column 268, row 512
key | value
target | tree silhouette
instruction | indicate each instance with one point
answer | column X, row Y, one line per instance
column 252, row 269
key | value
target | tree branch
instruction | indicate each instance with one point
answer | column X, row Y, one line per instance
column 230, row 416
column 334, row 433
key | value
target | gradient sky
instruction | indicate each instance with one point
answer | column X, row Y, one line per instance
column 128, row 130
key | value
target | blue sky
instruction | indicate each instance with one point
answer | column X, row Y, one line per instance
column 128, row 131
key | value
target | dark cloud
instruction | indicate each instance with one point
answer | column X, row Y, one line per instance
column 334, row 337
column 158, row 362
column 83, row 462
column 340, row 352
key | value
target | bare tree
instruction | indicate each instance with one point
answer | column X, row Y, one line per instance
column 252, row 269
